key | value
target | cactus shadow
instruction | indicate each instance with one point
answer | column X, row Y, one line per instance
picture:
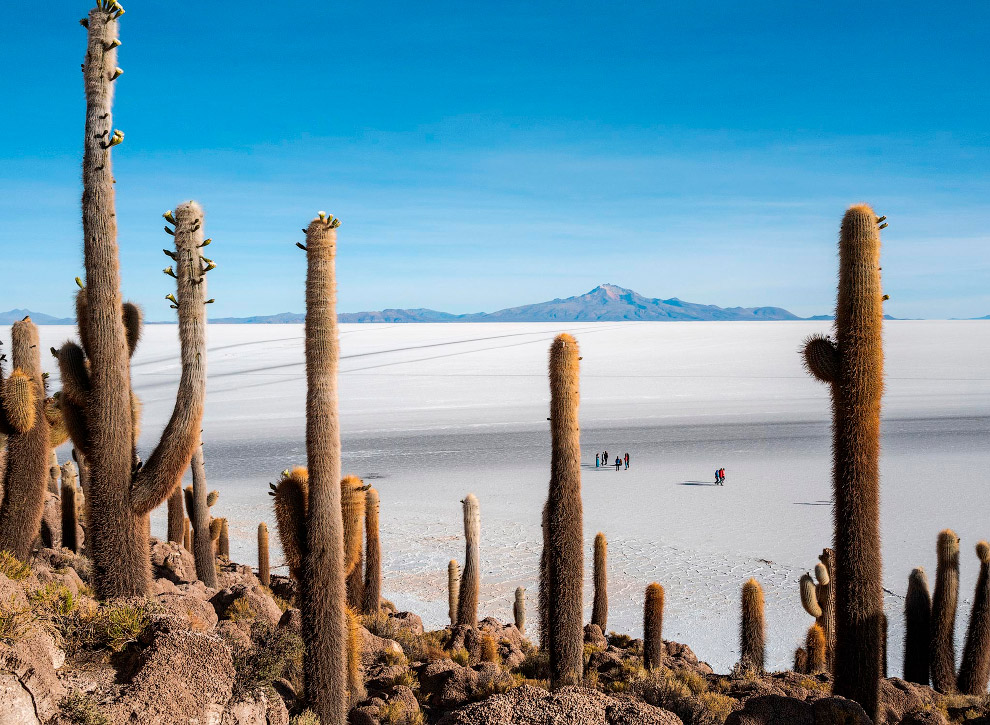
column 696, row 483
column 812, row 503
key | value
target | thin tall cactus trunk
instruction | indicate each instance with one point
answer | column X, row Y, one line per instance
column 202, row 541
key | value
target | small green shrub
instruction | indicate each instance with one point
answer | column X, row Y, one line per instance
column 619, row 640
column 12, row 567
column 14, row 621
column 79, row 709
column 395, row 712
column 536, row 665
column 274, row 653
column 307, row 717
column 106, row 629
column 461, row 656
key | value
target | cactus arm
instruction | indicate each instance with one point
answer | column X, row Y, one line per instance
column 164, row 468
column 20, row 396
column 133, row 324
column 809, row 596
column 291, row 495
column 821, row 358
column 199, row 515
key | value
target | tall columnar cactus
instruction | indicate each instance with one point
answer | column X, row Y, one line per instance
column 70, row 508
column 53, row 475
column 563, row 539
column 944, row 602
column 223, row 543
column 453, row 591
column 752, row 630
column 264, row 572
column 974, row 672
column 814, row 644
column 543, row 593
column 352, row 506
column 470, row 586
column 853, row 367
column 653, row 647
column 519, row 610
column 599, row 611
column 373, row 555
column 175, row 515
column 198, row 503
column 307, row 503
column 22, row 419
column 186, row 534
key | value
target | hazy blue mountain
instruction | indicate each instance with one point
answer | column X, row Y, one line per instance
column 39, row 318
column 605, row 303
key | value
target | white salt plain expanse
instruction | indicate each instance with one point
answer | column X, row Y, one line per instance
column 431, row 412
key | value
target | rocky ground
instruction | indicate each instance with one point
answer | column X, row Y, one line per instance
column 233, row 656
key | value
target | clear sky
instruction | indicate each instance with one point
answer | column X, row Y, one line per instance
column 488, row 154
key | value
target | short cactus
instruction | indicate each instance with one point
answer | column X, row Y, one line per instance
column 175, row 515
column 198, row 503
column 223, row 544
column 453, row 591
column 70, row 509
column 974, row 672
column 373, row 555
column 352, row 506
column 853, row 367
column 470, row 587
column 599, row 610
column 801, row 660
column 264, row 572
column 563, row 539
column 815, row 650
column 752, row 630
column 519, row 610
column 944, row 602
column 489, row 648
column 291, row 495
column 186, row 534
column 653, row 647
column 25, row 476
column 818, row 599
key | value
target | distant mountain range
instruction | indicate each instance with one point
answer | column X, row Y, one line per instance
column 605, row 303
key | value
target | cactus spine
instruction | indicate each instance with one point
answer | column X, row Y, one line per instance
column 563, row 535
column 944, row 602
column 752, row 630
column 599, row 611
column 470, row 586
column 653, row 648
column 373, row 555
column 853, row 367
column 352, row 505
column 519, row 610
column 264, row 572
column 70, row 508
column 198, row 506
column 453, row 591
column 974, row 672
column 22, row 419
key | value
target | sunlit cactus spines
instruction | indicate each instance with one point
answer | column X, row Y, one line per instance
column 519, row 609
column 470, row 586
column 186, row 534
column 852, row 365
column 373, row 555
column 974, row 672
column 809, row 596
column 291, row 499
column 176, row 515
column 453, row 590
column 599, row 610
column 564, row 534
column 752, row 628
column 654, row 651
column 26, row 466
column 355, row 672
column 70, row 508
column 944, row 603
column 814, row 647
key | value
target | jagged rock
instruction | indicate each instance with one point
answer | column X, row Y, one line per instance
column 408, row 621
column 593, row 635
column 680, row 656
column 182, row 676
column 780, row 710
column 172, row 562
column 200, row 615
column 374, row 648
column 898, row 697
column 60, row 560
column 508, row 638
column 50, row 534
column 567, row 705
column 381, row 677
column 29, row 688
column 256, row 708
column 231, row 575
column 283, row 587
column 247, row 603
column 395, row 698
column 233, row 634
column 932, row 717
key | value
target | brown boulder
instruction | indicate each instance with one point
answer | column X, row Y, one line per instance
column 374, row 648
column 256, row 708
column 182, row 676
column 407, row 621
column 172, row 562
column 246, row 603
column 567, row 705
column 898, row 698
column 780, row 710
column 291, row 619
column 200, row 616
column 29, row 688
column 593, row 635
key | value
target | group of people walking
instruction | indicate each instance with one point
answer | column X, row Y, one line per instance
column 720, row 477
column 601, row 460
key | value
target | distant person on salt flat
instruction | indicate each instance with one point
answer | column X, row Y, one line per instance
column 625, row 460
column 597, row 457
column 618, row 463
column 718, row 476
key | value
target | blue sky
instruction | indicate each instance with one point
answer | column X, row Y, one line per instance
column 483, row 155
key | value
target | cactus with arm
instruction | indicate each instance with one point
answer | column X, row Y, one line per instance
column 852, row 365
